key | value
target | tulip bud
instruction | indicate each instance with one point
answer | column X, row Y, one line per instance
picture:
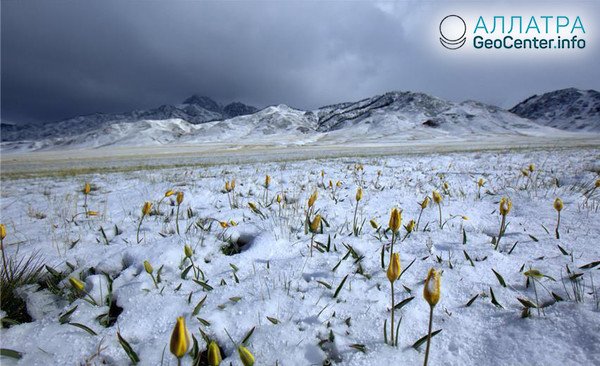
column 179, row 197
column 393, row 271
column 169, row 193
column 313, row 198
column 330, row 184
column 214, row 354
column 224, row 224
column 531, row 167
column 465, row 218
column 86, row 188
column 597, row 183
column 525, row 172
column 436, row 197
column 315, row 224
column 180, row 339
column 322, row 173
column 533, row 273
column 2, row 232
column 425, row 203
column 278, row 198
column 146, row 208
column 505, row 206
column 480, row 182
column 431, row 291
column 227, row 187
column 374, row 224
column 93, row 213
column 76, row 284
column 338, row 183
column 267, row 180
column 245, row 355
column 558, row 204
column 233, row 184
column 252, row 206
column 233, row 223
column 148, row 267
column 395, row 220
column 188, row 251
column 446, row 186
column 411, row 225
column 359, row 194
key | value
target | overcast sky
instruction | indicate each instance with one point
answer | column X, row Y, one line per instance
column 66, row 58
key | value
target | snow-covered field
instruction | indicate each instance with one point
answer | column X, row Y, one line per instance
column 273, row 284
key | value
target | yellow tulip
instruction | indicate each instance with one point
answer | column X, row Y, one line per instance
column 188, row 251
column 411, row 226
column 227, row 187
column 224, row 224
column 425, row 203
column 374, row 225
column 86, row 188
column 597, row 183
column 180, row 339
column 233, row 184
column 146, row 208
column 315, row 224
column 480, row 182
column 359, row 194
column 267, row 180
column 214, row 354
column 245, row 355
column 505, row 206
column 2, row 232
column 531, row 167
column 278, row 198
column 436, row 197
column 393, row 271
column 179, row 197
column 313, row 198
column 148, row 267
column 169, row 193
column 76, row 284
column 395, row 220
column 525, row 172
column 93, row 213
column 431, row 291
column 338, row 183
column 558, row 204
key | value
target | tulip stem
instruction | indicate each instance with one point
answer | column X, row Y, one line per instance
column 440, row 207
column 312, row 237
column 355, row 225
column 138, row 229
column 558, row 225
column 392, row 325
column 428, row 335
column 419, row 219
column 177, row 219
column 5, row 269
column 501, row 232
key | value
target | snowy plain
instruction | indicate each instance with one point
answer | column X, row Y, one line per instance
column 276, row 278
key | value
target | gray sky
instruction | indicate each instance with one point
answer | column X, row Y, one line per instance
column 65, row 58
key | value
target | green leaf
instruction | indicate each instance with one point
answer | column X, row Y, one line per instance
column 273, row 320
column 81, row 326
column 130, row 352
column 526, row 303
column 590, row 265
column 403, row 302
column 513, row 247
column 199, row 306
column 562, row 250
column 235, row 298
column 204, row 285
column 423, row 339
column 533, row 238
column 204, row 322
column 52, row 271
column 328, row 286
column 185, row 271
column 248, row 335
column 67, row 316
column 464, row 236
column 11, row 353
column 407, row 267
column 500, row 279
column 337, row 291
column 557, row 297
column 468, row 258
column 494, row 301
column 359, row 347
column 234, row 267
column 470, row 302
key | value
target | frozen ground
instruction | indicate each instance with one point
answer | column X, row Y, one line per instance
column 277, row 278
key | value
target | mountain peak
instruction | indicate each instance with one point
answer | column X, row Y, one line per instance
column 204, row 102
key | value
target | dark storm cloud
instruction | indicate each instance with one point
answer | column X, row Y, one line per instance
column 61, row 59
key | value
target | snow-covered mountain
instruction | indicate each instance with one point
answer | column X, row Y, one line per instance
column 568, row 109
column 391, row 117
column 194, row 110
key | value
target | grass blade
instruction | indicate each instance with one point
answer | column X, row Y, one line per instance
column 339, row 288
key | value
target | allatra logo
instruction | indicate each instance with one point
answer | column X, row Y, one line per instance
column 452, row 30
